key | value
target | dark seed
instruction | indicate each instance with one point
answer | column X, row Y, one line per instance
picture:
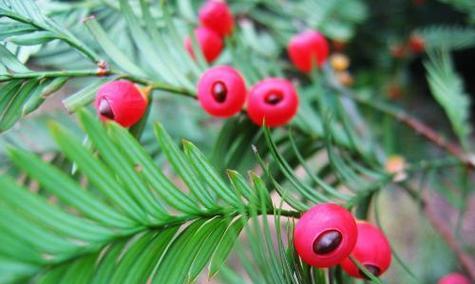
column 219, row 91
column 273, row 98
column 371, row 268
column 105, row 109
column 327, row 242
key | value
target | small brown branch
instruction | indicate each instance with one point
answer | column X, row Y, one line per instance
column 434, row 137
column 418, row 126
column 415, row 124
column 440, row 225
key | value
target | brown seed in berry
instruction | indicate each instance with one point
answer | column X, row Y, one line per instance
column 327, row 242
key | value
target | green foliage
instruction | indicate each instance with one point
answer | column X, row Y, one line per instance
column 448, row 90
column 447, row 37
column 109, row 205
column 130, row 208
column 465, row 6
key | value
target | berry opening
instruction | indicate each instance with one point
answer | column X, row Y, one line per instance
column 273, row 98
column 327, row 242
column 219, row 91
column 105, row 109
column 371, row 268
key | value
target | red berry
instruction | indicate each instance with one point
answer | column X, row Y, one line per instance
column 274, row 101
column 216, row 15
column 222, row 91
column 398, row 51
column 372, row 250
column 307, row 50
column 454, row 278
column 209, row 42
column 417, row 44
column 325, row 235
column 120, row 101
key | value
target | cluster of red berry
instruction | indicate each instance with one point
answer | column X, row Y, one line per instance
column 415, row 45
column 273, row 101
column 216, row 22
column 222, row 90
column 327, row 234
column 222, row 93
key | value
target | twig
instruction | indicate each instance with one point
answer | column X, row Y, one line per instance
column 445, row 232
column 418, row 126
column 432, row 136
column 467, row 262
column 53, row 74
column 100, row 72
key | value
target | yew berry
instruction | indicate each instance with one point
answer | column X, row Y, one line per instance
column 325, row 235
column 454, row 278
column 372, row 250
column 120, row 101
column 307, row 50
column 417, row 44
column 274, row 101
column 222, row 91
column 209, row 42
column 216, row 15
column 398, row 51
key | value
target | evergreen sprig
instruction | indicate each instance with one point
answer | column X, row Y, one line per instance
column 129, row 208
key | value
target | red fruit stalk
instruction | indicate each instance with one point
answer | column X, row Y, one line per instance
column 307, row 50
column 209, row 43
column 454, row 278
column 372, row 250
column 120, row 101
column 216, row 16
column 222, row 91
column 273, row 101
column 325, row 235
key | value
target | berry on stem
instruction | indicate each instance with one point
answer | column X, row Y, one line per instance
column 216, row 15
column 372, row 250
column 398, row 51
column 417, row 44
column 325, row 235
column 307, row 50
column 222, row 91
column 454, row 278
column 273, row 101
column 209, row 42
column 120, row 101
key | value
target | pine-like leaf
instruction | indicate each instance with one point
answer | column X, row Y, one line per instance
column 448, row 90
column 130, row 217
column 447, row 37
